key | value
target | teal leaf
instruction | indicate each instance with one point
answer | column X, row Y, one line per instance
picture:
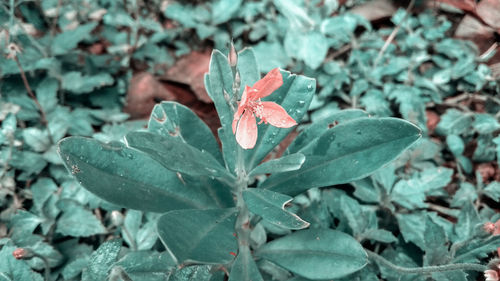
column 68, row 40
column 219, row 86
column 77, row 221
column 347, row 152
column 198, row 273
column 411, row 193
column 146, row 265
column 77, row 83
column 248, row 68
column 101, row 261
column 492, row 190
column 244, row 268
column 174, row 119
column 454, row 122
column 310, row 134
column 309, row 46
column 296, row 15
column 200, row 236
column 316, row 253
column 117, row 174
column 223, row 10
column 12, row 269
column 176, row 155
column 271, row 207
column 286, row 163
column 455, row 144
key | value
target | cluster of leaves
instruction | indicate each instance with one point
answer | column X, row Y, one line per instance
column 79, row 55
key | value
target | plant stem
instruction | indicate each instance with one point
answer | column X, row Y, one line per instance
column 32, row 95
column 394, row 33
column 46, row 265
column 426, row 269
column 242, row 226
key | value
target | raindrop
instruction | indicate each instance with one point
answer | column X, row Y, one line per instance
column 309, row 87
column 358, row 132
column 301, row 102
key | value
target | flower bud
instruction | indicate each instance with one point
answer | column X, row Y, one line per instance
column 22, row 253
column 489, row 227
column 233, row 56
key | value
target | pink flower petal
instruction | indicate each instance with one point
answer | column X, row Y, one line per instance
column 276, row 115
column 246, row 132
column 265, row 86
column 237, row 116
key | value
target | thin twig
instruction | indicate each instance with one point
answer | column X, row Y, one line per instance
column 32, row 95
column 394, row 33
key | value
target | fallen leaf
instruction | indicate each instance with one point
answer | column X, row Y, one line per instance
column 375, row 10
column 143, row 93
column 432, row 120
column 464, row 5
column 190, row 70
column 489, row 12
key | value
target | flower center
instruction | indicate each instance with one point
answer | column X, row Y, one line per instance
column 258, row 109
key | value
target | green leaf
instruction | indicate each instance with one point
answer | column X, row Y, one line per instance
column 436, row 250
column 286, row 163
column 455, row 144
column 46, row 93
column 485, row 123
column 244, row 268
column 454, row 122
column 248, row 68
column 412, row 193
column 68, row 40
column 310, row 134
column 146, row 265
column 77, row 83
column 219, row 86
column 223, row 10
column 12, row 269
column 294, row 96
column 37, row 139
column 101, row 261
column 199, row 236
column 176, row 155
column 77, row 221
column 492, row 190
column 174, row 119
column 271, row 207
column 309, row 46
column 316, row 253
column 347, row 152
column 296, row 14
column 118, row 174
column 198, row 273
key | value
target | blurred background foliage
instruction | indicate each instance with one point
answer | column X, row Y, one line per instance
column 96, row 67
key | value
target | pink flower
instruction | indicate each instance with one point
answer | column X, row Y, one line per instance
column 250, row 106
column 491, row 275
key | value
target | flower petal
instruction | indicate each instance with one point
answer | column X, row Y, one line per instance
column 276, row 115
column 246, row 132
column 265, row 86
column 242, row 104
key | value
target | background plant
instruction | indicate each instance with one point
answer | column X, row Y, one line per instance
column 421, row 74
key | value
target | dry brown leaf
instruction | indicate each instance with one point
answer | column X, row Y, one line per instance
column 190, row 70
column 143, row 93
column 489, row 12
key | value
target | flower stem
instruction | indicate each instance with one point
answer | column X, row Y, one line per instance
column 426, row 269
column 242, row 226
